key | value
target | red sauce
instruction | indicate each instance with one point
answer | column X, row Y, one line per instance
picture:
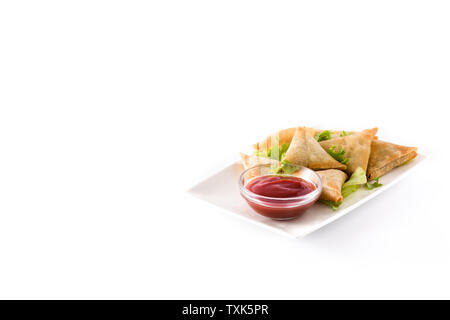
column 280, row 189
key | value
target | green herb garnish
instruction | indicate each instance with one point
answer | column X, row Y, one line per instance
column 344, row 133
column 324, row 135
column 374, row 185
column 338, row 155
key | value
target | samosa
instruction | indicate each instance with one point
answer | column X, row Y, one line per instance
column 354, row 150
column 385, row 156
column 305, row 151
column 332, row 181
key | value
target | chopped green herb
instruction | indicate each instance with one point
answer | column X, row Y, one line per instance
column 338, row 155
column 324, row 135
column 374, row 185
column 344, row 133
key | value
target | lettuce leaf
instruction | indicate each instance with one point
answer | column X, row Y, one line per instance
column 275, row 152
column 324, row 135
column 333, row 205
column 348, row 190
column 265, row 154
column 338, row 155
column 374, row 185
column 284, row 148
column 358, row 178
column 285, row 168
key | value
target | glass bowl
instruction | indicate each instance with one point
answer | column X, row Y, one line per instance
column 279, row 208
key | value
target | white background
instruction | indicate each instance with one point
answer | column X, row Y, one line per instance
column 111, row 110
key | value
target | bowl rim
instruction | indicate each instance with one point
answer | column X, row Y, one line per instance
column 303, row 198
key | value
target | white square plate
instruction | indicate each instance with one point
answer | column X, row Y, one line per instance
column 221, row 189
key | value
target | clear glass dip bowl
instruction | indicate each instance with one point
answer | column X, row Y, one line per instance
column 279, row 208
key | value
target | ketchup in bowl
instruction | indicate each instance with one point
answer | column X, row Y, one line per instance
column 276, row 186
column 280, row 197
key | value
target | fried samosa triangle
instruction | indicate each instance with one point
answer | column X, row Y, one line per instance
column 305, row 151
column 332, row 181
column 385, row 156
column 354, row 149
